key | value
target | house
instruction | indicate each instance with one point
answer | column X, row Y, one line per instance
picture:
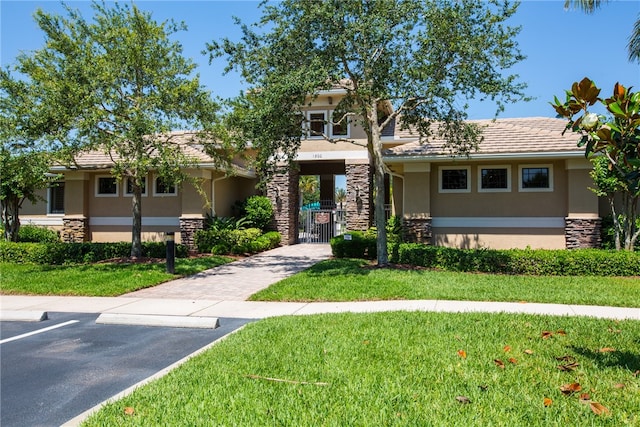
column 88, row 204
column 526, row 186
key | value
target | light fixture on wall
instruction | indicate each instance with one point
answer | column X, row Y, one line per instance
column 330, row 99
column 358, row 198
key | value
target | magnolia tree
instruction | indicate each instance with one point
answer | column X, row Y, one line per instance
column 613, row 142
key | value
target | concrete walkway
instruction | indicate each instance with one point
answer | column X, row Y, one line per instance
column 222, row 292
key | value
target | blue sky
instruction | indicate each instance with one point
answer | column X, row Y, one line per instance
column 561, row 46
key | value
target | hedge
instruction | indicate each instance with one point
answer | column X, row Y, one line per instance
column 76, row 253
column 223, row 242
column 561, row 262
column 354, row 244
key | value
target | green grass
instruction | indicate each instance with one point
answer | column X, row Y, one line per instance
column 347, row 280
column 95, row 279
column 402, row 369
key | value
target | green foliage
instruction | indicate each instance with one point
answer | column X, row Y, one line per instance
column 77, row 253
column 36, row 234
column 258, row 212
column 617, row 139
column 235, row 241
column 583, row 262
column 354, row 244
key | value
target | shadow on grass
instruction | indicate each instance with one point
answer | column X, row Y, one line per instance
column 338, row 267
column 614, row 359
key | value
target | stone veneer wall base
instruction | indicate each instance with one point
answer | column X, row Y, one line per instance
column 188, row 229
column 582, row 233
column 417, row 230
column 359, row 198
column 282, row 190
column 75, row 230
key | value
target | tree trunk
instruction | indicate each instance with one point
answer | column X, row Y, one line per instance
column 375, row 150
column 10, row 218
column 136, row 229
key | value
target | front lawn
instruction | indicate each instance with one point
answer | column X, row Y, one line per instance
column 356, row 280
column 102, row 279
column 427, row 369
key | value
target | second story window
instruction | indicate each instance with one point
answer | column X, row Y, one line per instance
column 317, row 124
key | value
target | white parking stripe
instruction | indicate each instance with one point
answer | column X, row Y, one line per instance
column 39, row 331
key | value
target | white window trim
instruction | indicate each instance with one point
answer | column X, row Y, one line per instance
column 346, row 123
column 155, row 192
column 444, row 168
column 97, row 187
column 308, row 127
column 535, row 190
column 494, row 190
column 125, row 183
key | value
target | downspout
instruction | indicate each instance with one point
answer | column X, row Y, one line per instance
column 213, row 193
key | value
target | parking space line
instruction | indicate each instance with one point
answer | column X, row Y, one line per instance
column 39, row 331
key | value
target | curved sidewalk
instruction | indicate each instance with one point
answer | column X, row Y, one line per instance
column 222, row 292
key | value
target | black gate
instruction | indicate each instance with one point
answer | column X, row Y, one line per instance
column 320, row 225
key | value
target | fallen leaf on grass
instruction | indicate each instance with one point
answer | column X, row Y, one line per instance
column 462, row 354
column 529, row 352
column 566, row 358
column 546, row 334
column 585, row 398
column 620, row 385
column 547, row 402
column 499, row 363
column 513, row 360
column 129, row 410
column 507, row 348
column 598, row 409
column 463, row 399
column 607, row 350
column 568, row 389
column 561, row 332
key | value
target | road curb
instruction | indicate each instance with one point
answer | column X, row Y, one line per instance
column 158, row 320
column 22, row 316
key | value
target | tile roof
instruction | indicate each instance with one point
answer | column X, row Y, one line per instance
column 188, row 141
column 529, row 135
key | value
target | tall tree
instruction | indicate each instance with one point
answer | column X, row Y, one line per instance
column 24, row 166
column 425, row 57
column 617, row 139
column 119, row 84
column 590, row 6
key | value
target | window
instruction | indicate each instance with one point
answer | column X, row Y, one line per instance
column 128, row 187
column 317, row 124
column 164, row 187
column 106, row 186
column 455, row 179
column 340, row 129
column 494, row 179
column 536, row 178
column 55, row 203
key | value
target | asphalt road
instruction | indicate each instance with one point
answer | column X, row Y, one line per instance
column 51, row 377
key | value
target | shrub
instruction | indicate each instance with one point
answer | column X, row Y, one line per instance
column 259, row 212
column 579, row 262
column 36, row 234
column 222, row 242
column 77, row 253
column 354, row 244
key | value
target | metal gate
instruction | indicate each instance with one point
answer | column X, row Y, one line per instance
column 320, row 225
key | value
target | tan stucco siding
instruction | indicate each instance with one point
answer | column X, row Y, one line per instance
column 38, row 208
column 499, row 238
column 124, row 235
column 417, row 200
column 230, row 190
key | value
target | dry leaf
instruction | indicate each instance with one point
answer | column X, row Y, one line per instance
column 499, row 363
column 462, row 354
column 561, row 332
column 129, row 410
column 507, row 349
column 615, row 331
column 607, row 350
column 513, row 360
column 568, row 367
column 570, row 388
column 463, row 399
column 547, row 402
column 546, row 334
column 598, row 409
column 584, row 397
column 529, row 352
column 566, row 358
column 620, row 385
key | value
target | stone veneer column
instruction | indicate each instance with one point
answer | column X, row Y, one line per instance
column 416, row 230
column 188, row 229
column 359, row 197
column 75, row 230
column 581, row 233
column 282, row 190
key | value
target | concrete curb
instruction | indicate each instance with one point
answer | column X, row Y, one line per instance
column 22, row 316
column 156, row 320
